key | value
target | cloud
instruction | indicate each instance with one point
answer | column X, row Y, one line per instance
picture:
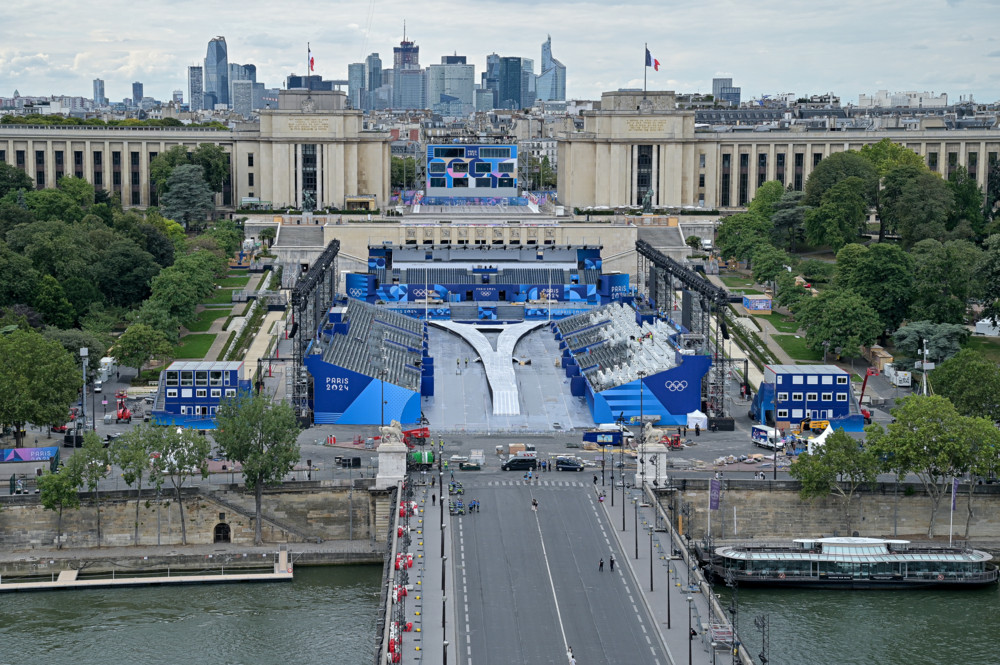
column 994, row 54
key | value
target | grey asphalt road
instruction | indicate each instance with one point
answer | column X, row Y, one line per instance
column 547, row 592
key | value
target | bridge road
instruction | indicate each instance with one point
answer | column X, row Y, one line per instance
column 528, row 583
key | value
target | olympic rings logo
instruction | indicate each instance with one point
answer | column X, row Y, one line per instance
column 355, row 293
column 674, row 386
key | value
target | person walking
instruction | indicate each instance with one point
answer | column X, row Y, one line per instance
column 612, row 562
column 595, row 478
column 600, row 566
column 697, row 429
column 534, row 505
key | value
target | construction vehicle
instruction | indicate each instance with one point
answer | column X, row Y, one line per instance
column 421, row 460
column 122, row 412
column 672, row 441
column 416, row 437
column 861, row 400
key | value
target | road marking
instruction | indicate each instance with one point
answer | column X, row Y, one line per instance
column 552, row 584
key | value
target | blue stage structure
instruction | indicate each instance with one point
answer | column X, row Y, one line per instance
column 627, row 370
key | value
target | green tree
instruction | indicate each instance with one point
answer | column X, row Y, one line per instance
column 181, row 455
column 227, row 235
column 93, row 469
column 971, row 381
column 164, row 164
column 929, row 439
column 788, row 293
column 992, row 194
column 883, row 276
column 916, row 203
column 989, row 271
column 835, row 169
column 842, row 318
column 268, row 235
column 944, row 340
column 767, row 197
column 789, row 219
column 403, row 172
column 138, row 344
column 841, row 212
column 188, row 200
column 59, row 491
column 547, row 175
column 262, row 436
column 694, row 242
column 73, row 340
column 944, row 279
column 841, row 466
column 81, row 294
column 768, row 261
column 78, row 189
column 848, row 258
column 13, row 179
column 214, row 162
column 52, row 204
column 39, row 380
column 966, row 216
column 740, row 234
column 885, row 156
column 124, row 273
column 18, row 278
column 131, row 453
column 51, row 303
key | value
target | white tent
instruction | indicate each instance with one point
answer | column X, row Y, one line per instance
column 818, row 441
column 698, row 418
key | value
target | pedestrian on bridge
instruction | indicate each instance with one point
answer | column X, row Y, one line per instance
column 600, row 566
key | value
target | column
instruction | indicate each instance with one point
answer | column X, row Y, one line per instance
column 655, row 175
column 298, row 175
column 320, row 147
column 633, row 183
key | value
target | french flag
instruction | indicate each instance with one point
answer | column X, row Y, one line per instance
column 652, row 62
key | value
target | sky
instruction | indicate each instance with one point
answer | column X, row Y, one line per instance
column 845, row 47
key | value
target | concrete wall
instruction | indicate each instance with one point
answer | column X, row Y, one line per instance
column 766, row 509
column 311, row 509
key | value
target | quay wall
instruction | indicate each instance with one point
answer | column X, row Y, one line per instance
column 773, row 509
column 306, row 512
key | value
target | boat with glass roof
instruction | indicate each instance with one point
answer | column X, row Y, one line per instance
column 853, row 563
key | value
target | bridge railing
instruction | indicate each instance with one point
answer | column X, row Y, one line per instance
column 384, row 622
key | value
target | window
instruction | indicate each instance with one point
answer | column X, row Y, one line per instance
column 505, row 167
column 448, row 153
column 40, row 157
column 116, row 158
column 796, row 397
column 494, row 153
column 187, row 378
column 782, row 414
column 437, row 167
column 171, row 379
column 460, row 167
column 811, row 397
column 135, row 159
column 230, row 392
column 135, row 178
column 250, row 159
column 484, row 182
column 77, row 158
column 841, row 380
column 460, row 182
column 201, row 378
column 215, row 377
column 250, row 180
column 841, row 397
column 827, row 397
column 782, row 397
column 439, row 182
column 200, row 392
column 3, row 156
column 812, row 380
column 59, row 158
column 172, row 393
column 744, row 182
column 97, row 157
column 19, row 157
column 817, row 158
column 797, row 379
column 701, row 179
column 701, row 161
column 98, row 179
column 40, row 179
column 505, row 182
column 797, row 414
column 828, row 380
column 136, row 198
column 116, row 179
column 216, row 392
column 726, row 177
column 483, row 167
column 932, row 161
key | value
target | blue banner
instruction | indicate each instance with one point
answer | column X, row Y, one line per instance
column 715, row 492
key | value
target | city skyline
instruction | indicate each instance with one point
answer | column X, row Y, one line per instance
column 947, row 47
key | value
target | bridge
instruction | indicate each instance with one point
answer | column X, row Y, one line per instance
column 510, row 584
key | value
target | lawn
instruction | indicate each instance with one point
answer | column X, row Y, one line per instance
column 737, row 281
column 206, row 317
column 193, row 346
column 240, row 281
column 221, row 297
column 796, row 347
column 988, row 346
column 779, row 323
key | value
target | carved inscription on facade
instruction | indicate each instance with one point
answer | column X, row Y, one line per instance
column 309, row 124
column 646, row 125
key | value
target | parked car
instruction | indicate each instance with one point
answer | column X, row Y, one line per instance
column 568, row 464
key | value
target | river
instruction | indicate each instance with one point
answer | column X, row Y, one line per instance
column 325, row 616
column 831, row 627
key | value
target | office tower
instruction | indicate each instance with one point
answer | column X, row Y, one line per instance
column 517, row 84
column 239, row 72
column 136, row 93
column 528, row 81
column 723, row 91
column 450, row 86
column 551, row 83
column 217, row 73
column 373, row 75
column 356, row 84
column 491, row 77
column 243, row 97
column 178, row 97
column 196, row 88
column 99, row 98
column 406, row 55
column 484, row 99
column 407, row 77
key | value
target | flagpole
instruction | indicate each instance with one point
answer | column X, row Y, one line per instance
column 308, row 57
column 645, row 68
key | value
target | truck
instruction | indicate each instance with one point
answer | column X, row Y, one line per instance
column 897, row 377
column 421, row 460
column 608, row 436
column 766, row 437
column 107, row 370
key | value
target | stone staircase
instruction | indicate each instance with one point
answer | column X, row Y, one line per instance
column 384, row 505
column 294, row 235
column 217, row 497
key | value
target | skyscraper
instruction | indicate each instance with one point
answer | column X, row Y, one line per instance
column 407, row 77
column 196, row 88
column 723, row 91
column 217, row 73
column 491, row 78
column 239, row 72
column 356, row 84
column 243, row 97
column 450, row 86
column 551, row 84
column 99, row 99
column 373, row 75
column 136, row 93
column 517, row 83
column 178, row 97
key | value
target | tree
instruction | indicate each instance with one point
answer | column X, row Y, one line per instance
column 886, row 156
column 13, row 179
column 944, row 340
column 59, row 491
column 18, row 278
column 94, row 466
column 944, row 279
column 78, row 189
column 929, row 439
column 164, row 164
column 547, row 175
column 835, row 169
column 403, row 172
column 768, row 261
column 51, row 303
column 52, row 204
column 39, row 379
column 915, row 203
column 261, row 436
column 81, row 294
column 842, row 318
column 989, row 271
column 883, row 276
column 967, row 212
column 971, row 381
column 767, row 197
column 214, row 162
column 789, row 293
column 694, row 242
column 268, row 235
column 132, row 455
column 182, row 453
column 73, row 340
column 788, row 219
column 188, row 199
column 124, row 273
column 841, row 466
column 740, row 234
column 992, row 193
column 138, row 344
column 228, row 235
column 841, row 212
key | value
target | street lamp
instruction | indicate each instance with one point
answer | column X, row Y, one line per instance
column 635, row 505
column 642, row 434
column 651, row 572
column 84, row 352
column 690, row 600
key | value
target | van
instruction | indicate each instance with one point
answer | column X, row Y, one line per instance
column 520, row 464
column 98, row 386
column 766, row 437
